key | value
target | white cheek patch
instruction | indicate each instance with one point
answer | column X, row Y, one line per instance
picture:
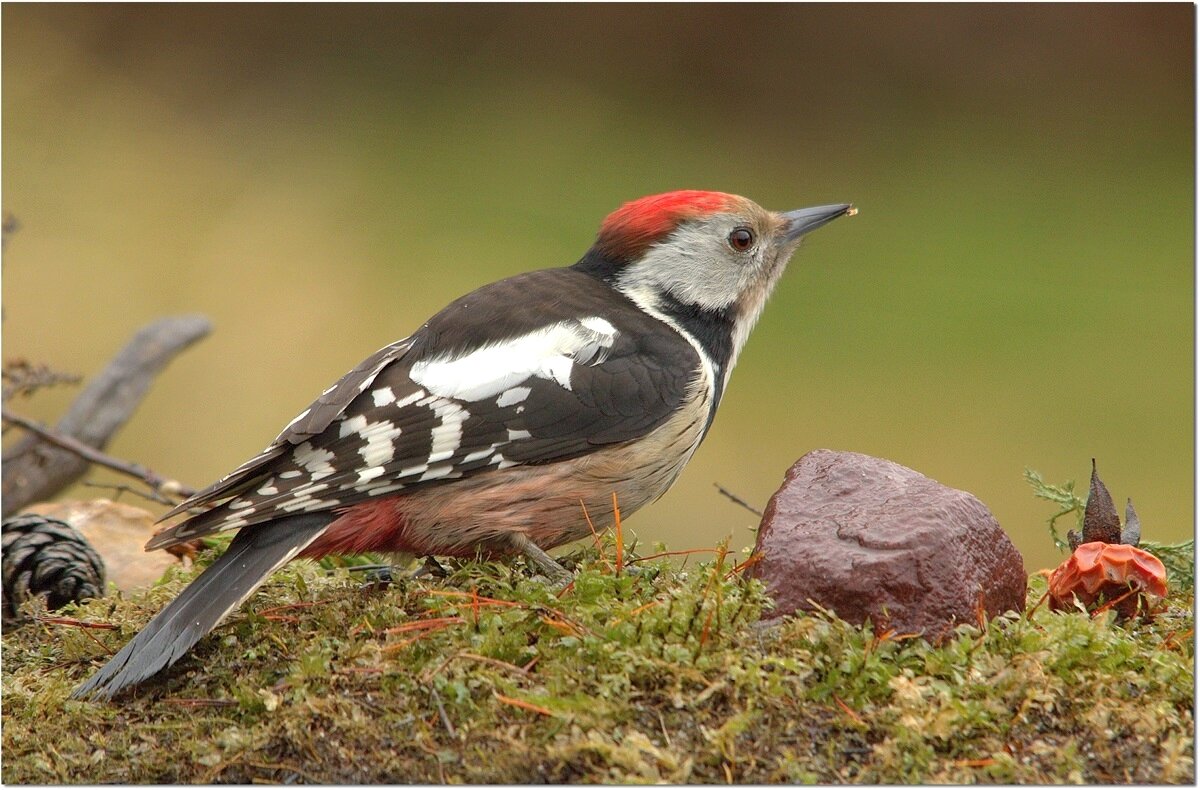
column 547, row 353
column 692, row 265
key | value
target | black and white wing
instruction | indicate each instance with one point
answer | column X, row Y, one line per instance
column 485, row 384
column 308, row 423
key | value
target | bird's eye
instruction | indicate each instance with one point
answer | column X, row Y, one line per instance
column 741, row 239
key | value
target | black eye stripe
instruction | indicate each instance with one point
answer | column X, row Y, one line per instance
column 741, row 239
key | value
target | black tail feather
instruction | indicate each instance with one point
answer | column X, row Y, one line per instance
column 252, row 556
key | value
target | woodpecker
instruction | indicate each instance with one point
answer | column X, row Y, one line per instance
column 496, row 424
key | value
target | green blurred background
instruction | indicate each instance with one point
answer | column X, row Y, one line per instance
column 1017, row 289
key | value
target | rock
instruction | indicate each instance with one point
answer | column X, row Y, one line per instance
column 868, row 538
column 119, row 533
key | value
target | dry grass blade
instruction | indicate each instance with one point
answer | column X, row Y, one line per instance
column 199, row 702
column 69, row 621
column 474, row 598
column 848, row 710
column 520, row 703
column 737, row 500
column 595, row 535
column 620, row 536
column 677, row 553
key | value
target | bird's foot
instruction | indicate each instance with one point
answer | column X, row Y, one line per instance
column 558, row 575
column 432, row 568
column 377, row 578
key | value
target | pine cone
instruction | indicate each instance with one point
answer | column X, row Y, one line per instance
column 45, row 556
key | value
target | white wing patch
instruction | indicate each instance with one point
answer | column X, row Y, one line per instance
column 366, row 450
column 600, row 326
column 356, row 424
column 512, row 397
column 548, row 353
column 314, row 459
column 380, row 445
column 409, row 400
column 447, row 436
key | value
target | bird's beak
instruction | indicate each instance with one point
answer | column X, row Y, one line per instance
column 806, row 220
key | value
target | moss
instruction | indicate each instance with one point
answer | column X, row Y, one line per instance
column 658, row 674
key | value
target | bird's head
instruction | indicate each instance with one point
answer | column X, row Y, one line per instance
column 707, row 256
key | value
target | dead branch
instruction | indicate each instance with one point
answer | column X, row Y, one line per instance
column 71, row 621
column 8, row 226
column 39, row 466
column 156, row 481
column 120, row 488
column 23, row 378
column 737, row 500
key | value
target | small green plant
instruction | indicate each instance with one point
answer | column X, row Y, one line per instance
column 1178, row 558
column 1064, row 496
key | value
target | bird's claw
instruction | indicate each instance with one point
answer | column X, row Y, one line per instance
column 432, row 568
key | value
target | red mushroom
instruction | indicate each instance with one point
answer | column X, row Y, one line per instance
column 1118, row 575
column 1105, row 566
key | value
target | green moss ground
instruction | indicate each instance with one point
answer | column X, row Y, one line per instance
column 657, row 675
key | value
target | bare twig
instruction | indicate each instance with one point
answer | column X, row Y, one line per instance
column 428, row 675
column 441, row 709
column 676, row 553
column 36, row 468
column 22, row 377
column 523, row 704
column 737, row 500
column 8, row 226
column 76, row 447
column 71, row 621
column 199, row 702
column 121, row 488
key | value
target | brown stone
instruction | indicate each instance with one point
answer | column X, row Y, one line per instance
column 871, row 539
column 119, row 533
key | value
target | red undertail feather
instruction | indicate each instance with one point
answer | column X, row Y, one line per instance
column 374, row 525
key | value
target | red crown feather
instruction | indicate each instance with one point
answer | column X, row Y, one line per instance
column 628, row 231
